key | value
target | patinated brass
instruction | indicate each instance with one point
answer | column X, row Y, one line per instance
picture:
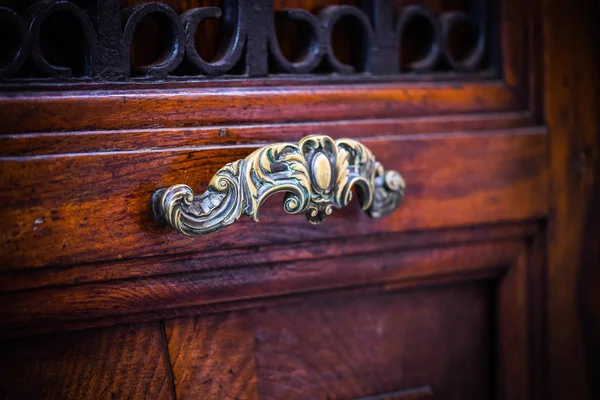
column 317, row 175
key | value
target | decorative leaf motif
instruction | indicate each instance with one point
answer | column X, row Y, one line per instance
column 242, row 187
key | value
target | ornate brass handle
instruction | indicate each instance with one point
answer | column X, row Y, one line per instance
column 318, row 174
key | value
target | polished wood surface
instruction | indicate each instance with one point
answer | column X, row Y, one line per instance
column 264, row 254
column 109, row 110
column 454, row 179
column 482, row 285
column 88, row 304
column 254, row 134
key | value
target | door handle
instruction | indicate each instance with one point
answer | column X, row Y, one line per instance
column 317, row 174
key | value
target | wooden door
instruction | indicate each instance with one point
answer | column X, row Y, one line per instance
column 479, row 285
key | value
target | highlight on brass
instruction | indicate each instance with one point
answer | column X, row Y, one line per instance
column 317, row 174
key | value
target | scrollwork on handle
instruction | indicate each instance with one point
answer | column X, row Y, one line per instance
column 317, row 174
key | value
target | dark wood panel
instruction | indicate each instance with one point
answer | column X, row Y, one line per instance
column 535, row 273
column 39, row 310
column 101, row 109
column 404, row 345
column 572, row 98
column 513, row 327
column 517, row 50
column 369, row 346
column 64, row 210
column 101, row 141
column 212, row 357
column 125, row 362
column 439, row 337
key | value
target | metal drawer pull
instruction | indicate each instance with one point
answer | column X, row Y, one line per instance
column 317, row 175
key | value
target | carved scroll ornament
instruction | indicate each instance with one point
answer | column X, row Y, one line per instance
column 317, row 174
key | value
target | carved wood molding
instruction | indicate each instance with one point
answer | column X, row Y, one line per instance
column 96, row 304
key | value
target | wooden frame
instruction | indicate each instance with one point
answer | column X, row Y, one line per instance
column 538, row 301
column 508, row 257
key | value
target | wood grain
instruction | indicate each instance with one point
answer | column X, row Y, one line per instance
column 443, row 299
column 572, row 87
column 212, row 357
column 125, row 362
column 373, row 345
column 139, row 139
column 113, row 109
column 65, row 210
column 260, row 255
column 391, row 346
column 38, row 310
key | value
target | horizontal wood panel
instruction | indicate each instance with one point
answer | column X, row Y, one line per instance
column 138, row 139
column 65, row 210
column 53, row 307
column 48, row 111
column 11, row 281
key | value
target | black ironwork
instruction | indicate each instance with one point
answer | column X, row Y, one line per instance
column 251, row 47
